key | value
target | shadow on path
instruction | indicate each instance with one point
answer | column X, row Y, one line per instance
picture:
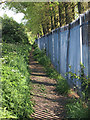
column 48, row 104
column 44, row 83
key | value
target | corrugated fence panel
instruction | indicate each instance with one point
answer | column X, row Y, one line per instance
column 85, row 48
column 41, row 42
column 63, row 51
column 57, row 58
column 44, row 43
column 51, row 48
column 46, row 39
column 59, row 51
column 74, row 51
column 55, row 49
column 50, row 39
column 49, row 45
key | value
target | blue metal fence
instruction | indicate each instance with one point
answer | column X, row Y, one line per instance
column 69, row 45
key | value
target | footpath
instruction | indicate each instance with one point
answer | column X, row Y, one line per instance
column 48, row 104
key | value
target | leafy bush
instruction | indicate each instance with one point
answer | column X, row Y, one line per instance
column 41, row 57
column 77, row 109
column 62, row 85
column 85, row 81
column 12, row 31
column 15, row 81
column 37, row 53
column 6, row 114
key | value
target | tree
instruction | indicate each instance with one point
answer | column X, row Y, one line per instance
column 42, row 17
column 60, row 12
column 79, row 8
column 12, row 31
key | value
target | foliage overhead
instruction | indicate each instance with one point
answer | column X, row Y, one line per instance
column 42, row 17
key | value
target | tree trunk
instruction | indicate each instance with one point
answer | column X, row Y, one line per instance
column 66, row 13
column 59, row 9
column 48, row 28
column 79, row 7
column 55, row 19
column 73, row 11
column 44, row 30
column 52, row 23
column 89, row 5
column 50, row 11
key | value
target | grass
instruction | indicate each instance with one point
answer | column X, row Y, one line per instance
column 42, row 88
column 15, row 81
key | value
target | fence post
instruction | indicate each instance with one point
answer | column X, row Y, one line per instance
column 81, row 39
column 59, row 49
column 89, row 44
column 38, row 42
column 88, row 55
column 53, row 46
column 48, row 44
column 68, row 49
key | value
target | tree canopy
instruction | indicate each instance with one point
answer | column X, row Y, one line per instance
column 42, row 17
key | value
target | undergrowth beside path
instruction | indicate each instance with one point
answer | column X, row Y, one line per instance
column 15, row 81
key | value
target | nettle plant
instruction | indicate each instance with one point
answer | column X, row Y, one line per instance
column 85, row 80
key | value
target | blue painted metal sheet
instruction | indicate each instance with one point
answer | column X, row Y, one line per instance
column 63, row 51
column 57, row 63
column 85, row 48
column 55, row 49
column 74, row 52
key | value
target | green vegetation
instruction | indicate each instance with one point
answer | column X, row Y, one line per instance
column 77, row 109
column 42, row 88
column 85, row 81
column 12, row 31
column 62, row 85
column 15, row 81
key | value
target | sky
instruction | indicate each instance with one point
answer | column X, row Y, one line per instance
column 16, row 16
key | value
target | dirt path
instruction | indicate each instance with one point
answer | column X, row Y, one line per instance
column 48, row 104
